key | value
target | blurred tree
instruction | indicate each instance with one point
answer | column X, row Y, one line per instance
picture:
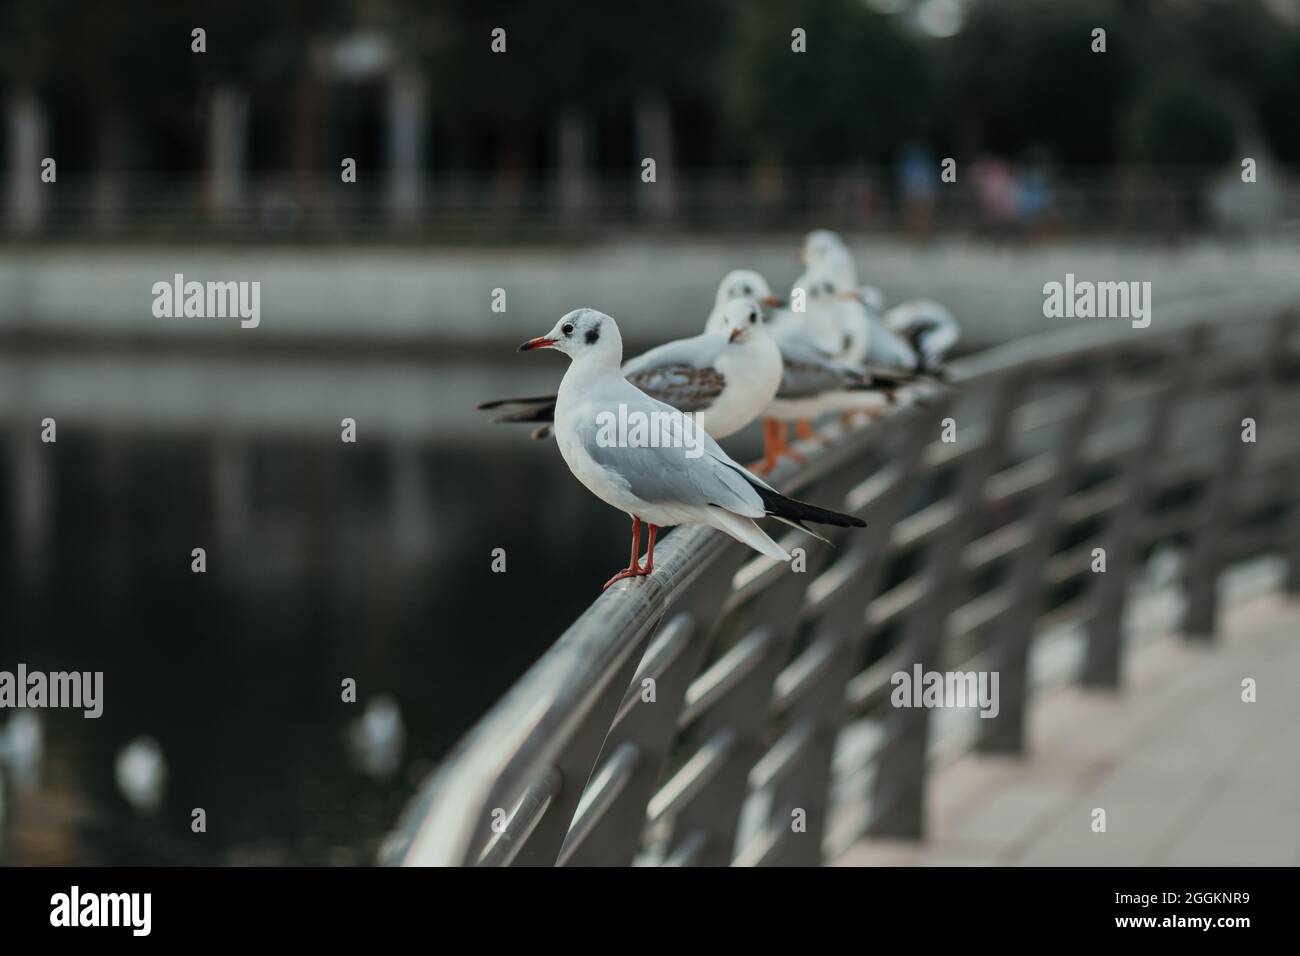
column 1279, row 102
column 561, row 55
column 1182, row 121
column 862, row 89
column 1023, row 73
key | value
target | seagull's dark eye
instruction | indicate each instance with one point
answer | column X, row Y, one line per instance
column 567, row 328
column 747, row 291
column 753, row 317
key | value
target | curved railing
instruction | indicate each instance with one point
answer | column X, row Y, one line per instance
column 689, row 718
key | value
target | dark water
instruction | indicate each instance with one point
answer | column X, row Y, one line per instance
column 346, row 562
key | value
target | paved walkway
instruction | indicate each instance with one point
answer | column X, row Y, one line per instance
column 1187, row 773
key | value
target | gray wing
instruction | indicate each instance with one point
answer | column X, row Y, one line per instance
column 805, row 372
column 699, row 351
column 681, row 373
column 888, row 349
column 931, row 327
column 665, row 475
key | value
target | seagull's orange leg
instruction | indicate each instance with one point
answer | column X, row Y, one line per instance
column 770, row 447
column 775, row 446
column 632, row 570
column 650, row 551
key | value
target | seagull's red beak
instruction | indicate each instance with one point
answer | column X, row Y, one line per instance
column 541, row 342
column 774, row 301
column 735, row 334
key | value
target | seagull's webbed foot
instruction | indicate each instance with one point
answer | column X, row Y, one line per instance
column 633, row 570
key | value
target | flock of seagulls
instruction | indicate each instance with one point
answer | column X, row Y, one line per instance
column 831, row 348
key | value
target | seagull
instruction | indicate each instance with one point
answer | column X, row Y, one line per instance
column 727, row 377
column 739, row 284
column 140, row 770
column 929, row 326
column 659, row 485
column 812, row 380
column 825, row 252
column 844, row 326
column 813, row 385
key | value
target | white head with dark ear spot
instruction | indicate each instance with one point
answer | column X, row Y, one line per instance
column 742, row 284
column 822, row 244
column 583, row 334
column 813, row 283
column 824, row 251
column 743, row 319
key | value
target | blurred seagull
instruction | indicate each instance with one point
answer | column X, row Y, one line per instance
column 728, row 376
column 660, row 485
column 141, row 774
column 812, row 385
column 376, row 739
column 826, row 253
column 930, row 327
column 813, row 381
column 844, row 327
column 739, row 284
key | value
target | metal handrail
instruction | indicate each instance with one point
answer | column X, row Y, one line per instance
column 721, row 687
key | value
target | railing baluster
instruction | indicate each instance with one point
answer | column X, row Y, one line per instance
column 844, row 625
column 578, row 758
column 715, row 812
column 1121, row 539
column 1208, row 554
column 615, row 839
column 898, row 787
column 1005, row 732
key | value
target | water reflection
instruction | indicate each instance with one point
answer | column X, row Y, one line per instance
column 223, row 690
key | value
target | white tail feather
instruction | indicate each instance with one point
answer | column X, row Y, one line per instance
column 746, row 532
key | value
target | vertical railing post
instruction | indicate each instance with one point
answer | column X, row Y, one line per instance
column 1121, row 538
column 713, row 815
column 1005, row 732
column 1291, row 527
column 1291, row 532
column 845, row 625
column 652, row 726
column 1208, row 552
column 898, row 786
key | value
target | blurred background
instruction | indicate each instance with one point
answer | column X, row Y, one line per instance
column 477, row 171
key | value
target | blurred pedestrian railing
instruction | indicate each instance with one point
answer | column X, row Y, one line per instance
column 734, row 710
column 535, row 205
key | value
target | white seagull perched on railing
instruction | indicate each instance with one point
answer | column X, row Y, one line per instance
column 929, row 326
column 923, row 327
column 812, row 380
column 662, row 484
column 727, row 376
